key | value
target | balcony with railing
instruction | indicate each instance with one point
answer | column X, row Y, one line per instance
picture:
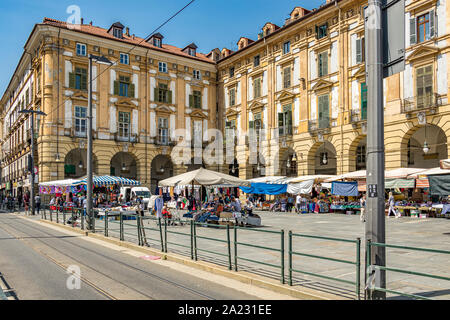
column 427, row 102
column 319, row 125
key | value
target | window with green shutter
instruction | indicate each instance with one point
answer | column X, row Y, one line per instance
column 285, row 121
column 363, row 101
column 323, row 63
column 287, row 77
column 257, row 88
column 123, row 88
column 78, row 79
column 195, row 99
column 360, row 50
column 163, row 94
column 324, row 113
column 322, row 31
column 232, row 96
column 424, row 86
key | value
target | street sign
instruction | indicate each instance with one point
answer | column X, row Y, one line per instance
column 372, row 190
column 393, row 29
column 393, row 35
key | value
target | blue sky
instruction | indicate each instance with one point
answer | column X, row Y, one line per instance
column 209, row 23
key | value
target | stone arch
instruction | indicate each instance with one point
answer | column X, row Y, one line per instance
column 314, row 157
column 161, row 168
column 124, row 164
column 353, row 154
column 289, row 163
column 413, row 142
column 75, row 163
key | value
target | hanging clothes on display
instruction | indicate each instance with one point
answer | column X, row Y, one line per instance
column 159, row 204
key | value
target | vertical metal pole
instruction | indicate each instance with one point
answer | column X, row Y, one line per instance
column 93, row 221
column 89, row 148
column 368, row 293
column 165, row 235
column 192, row 240
column 82, row 218
column 64, row 216
column 32, row 202
column 106, row 223
column 51, row 215
column 375, row 225
column 161, row 235
column 290, row 257
column 195, row 242
column 121, row 226
column 229, row 248
column 235, row 250
column 358, row 268
column 57, row 214
column 138, row 230
column 282, row 256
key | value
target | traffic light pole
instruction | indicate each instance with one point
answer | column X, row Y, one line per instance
column 375, row 224
column 89, row 211
column 33, row 175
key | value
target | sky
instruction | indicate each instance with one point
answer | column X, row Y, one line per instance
column 208, row 23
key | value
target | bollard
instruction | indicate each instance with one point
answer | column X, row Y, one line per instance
column 93, row 221
column 290, row 257
column 73, row 219
column 57, row 214
column 64, row 216
column 229, row 248
column 138, row 222
column 121, row 226
column 82, row 218
column 51, row 215
column 282, row 257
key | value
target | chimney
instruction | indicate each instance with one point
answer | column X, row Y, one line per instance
column 127, row 31
column 90, row 23
column 82, row 20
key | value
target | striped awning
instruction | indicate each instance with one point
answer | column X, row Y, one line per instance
column 422, row 183
column 102, row 181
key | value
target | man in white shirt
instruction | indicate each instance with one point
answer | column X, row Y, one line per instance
column 298, row 201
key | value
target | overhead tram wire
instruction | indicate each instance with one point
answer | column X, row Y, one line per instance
column 134, row 46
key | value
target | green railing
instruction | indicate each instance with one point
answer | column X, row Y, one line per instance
column 369, row 267
column 356, row 263
column 281, row 250
column 144, row 236
column 227, row 241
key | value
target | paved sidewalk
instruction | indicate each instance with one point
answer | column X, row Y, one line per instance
column 432, row 233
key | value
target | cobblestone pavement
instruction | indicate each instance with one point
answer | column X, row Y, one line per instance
column 432, row 233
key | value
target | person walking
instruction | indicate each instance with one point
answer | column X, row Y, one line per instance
column 298, row 203
column 391, row 203
column 362, row 202
column 37, row 202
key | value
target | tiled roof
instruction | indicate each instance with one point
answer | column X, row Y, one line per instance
column 97, row 31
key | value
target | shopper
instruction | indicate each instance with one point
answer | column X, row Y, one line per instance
column 298, row 203
column 37, row 203
column 391, row 203
column 362, row 203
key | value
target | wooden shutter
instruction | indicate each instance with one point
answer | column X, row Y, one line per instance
column 72, row 80
column 289, row 122
column 363, row 101
column 169, row 96
column 83, row 82
column 358, row 51
column 433, row 24
column 191, row 100
column 281, row 123
column 116, row 87
column 324, row 63
column 156, row 94
column 323, row 111
column 317, row 32
column 131, row 90
column 412, row 31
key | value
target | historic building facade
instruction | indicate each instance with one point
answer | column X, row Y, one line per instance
column 151, row 90
column 302, row 87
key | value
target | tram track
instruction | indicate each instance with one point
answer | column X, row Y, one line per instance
column 145, row 273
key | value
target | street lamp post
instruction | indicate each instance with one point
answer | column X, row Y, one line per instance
column 33, row 174
column 89, row 168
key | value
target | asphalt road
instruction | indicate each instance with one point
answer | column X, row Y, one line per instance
column 34, row 261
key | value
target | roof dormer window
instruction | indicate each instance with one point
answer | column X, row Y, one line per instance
column 116, row 30
column 191, row 50
column 156, row 40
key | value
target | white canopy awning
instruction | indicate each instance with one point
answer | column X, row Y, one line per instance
column 269, row 179
column 316, row 178
column 429, row 172
column 60, row 183
column 445, row 164
column 360, row 174
column 401, row 173
column 204, row 177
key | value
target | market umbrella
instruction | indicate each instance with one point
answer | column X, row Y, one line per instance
column 203, row 177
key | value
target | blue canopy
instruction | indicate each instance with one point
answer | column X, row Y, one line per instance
column 265, row 188
column 349, row 189
column 101, row 181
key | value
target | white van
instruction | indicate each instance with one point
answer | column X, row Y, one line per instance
column 132, row 192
